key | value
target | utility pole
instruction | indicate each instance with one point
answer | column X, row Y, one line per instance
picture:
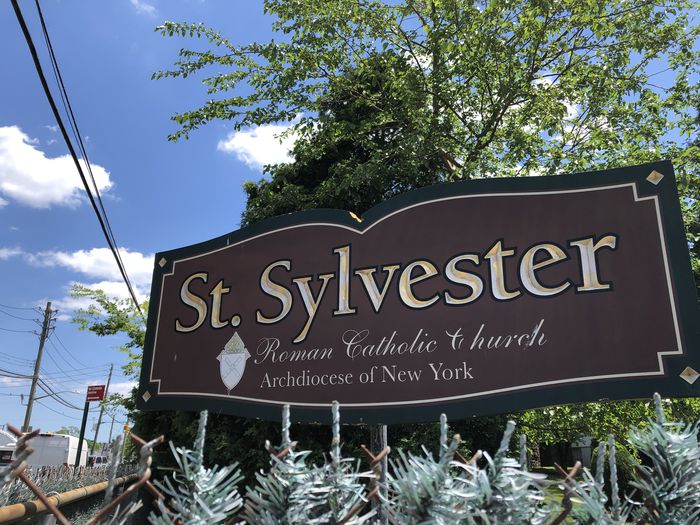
column 46, row 325
column 102, row 409
column 111, row 427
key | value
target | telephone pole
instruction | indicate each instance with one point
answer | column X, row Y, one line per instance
column 102, row 409
column 45, row 327
column 111, row 427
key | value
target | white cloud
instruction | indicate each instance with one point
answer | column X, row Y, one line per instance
column 6, row 253
column 3, row 202
column 260, row 145
column 144, row 8
column 52, row 129
column 123, row 387
column 66, row 306
column 29, row 177
column 99, row 263
column 12, row 381
column 117, row 289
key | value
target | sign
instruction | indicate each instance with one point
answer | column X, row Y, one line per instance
column 95, row 393
column 470, row 298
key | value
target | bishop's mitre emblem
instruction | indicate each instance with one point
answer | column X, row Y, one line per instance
column 232, row 361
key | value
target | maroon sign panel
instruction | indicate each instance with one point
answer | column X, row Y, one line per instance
column 95, row 393
column 470, row 298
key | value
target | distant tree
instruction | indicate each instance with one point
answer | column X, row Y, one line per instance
column 109, row 316
column 69, row 431
column 569, row 423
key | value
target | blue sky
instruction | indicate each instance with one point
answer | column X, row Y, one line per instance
column 159, row 195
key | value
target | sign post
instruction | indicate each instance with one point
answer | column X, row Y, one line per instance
column 94, row 393
column 470, row 298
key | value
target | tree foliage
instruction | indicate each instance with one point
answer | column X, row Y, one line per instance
column 107, row 315
column 70, row 430
column 569, row 423
column 388, row 96
column 496, row 87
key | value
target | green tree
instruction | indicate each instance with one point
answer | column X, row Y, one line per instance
column 569, row 423
column 490, row 86
column 68, row 430
column 110, row 316
column 452, row 89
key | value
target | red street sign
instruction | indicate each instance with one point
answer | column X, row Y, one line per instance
column 95, row 393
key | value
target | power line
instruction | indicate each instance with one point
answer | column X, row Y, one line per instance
column 65, row 348
column 56, row 411
column 9, row 373
column 74, row 376
column 74, row 125
column 35, row 309
column 66, row 138
column 72, row 371
column 15, row 361
column 54, row 395
column 73, row 122
column 10, row 356
column 17, row 316
column 18, row 331
column 66, row 374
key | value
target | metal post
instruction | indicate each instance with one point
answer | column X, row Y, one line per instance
column 82, row 434
column 126, row 435
column 37, row 365
column 377, row 443
column 102, row 408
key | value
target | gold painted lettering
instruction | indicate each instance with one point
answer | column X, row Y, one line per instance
column 455, row 275
column 589, row 263
column 367, row 277
column 406, row 281
column 216, row 294
column 343, row 281
column 277, row 291
column 310, row 302
column 498, row 279
column 528, row 267
column 193, row 301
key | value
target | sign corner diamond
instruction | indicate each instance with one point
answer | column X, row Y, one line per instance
column 655, row 177
column 689, row 375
